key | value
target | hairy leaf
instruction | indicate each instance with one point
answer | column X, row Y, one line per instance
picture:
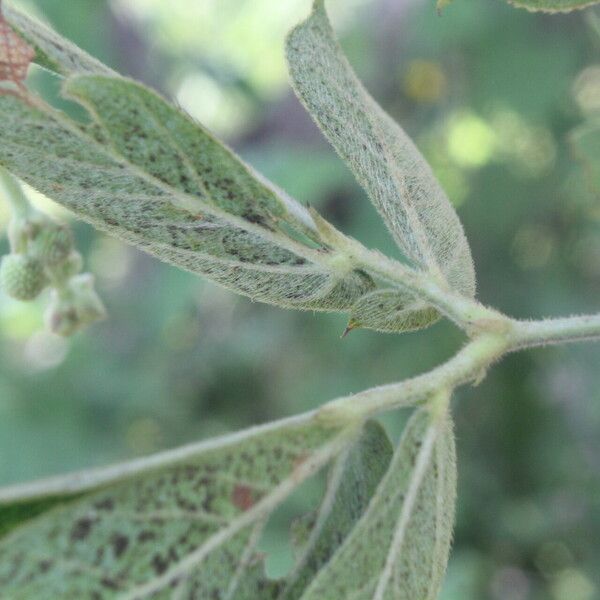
column 147, row 173
column 391, row 310
column 585, row 141
column 206, row 214
column 184, row 522
column 552, row 6
column 352, row 482
column 52, row 51
column 399, row 548
column 384, row 160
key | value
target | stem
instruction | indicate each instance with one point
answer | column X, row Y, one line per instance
column 529, row 334
column 11, row 190
column 467, row 313
column 468, row 364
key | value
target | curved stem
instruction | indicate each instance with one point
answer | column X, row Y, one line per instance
column 469, row 364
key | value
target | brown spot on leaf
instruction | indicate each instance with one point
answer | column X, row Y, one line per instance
column 15, row 55
column 81, row 529
column 119, row 543
column 159, row 564
column 242, row 497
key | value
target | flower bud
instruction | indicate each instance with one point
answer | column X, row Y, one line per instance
column 22, row 277
column 78, row 308
column 67, row 268
column 51, row 243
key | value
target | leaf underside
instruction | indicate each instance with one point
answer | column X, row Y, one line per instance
column 384, row 160
column 399, row 548
column 188, row 525
column 552, row 6
column 352, row 481
column 391, row 310
column 145, row 172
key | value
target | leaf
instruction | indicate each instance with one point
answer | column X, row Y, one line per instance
column 148, row 174
column 391, row 310
column 52, row 51
column 585, row 141
column 352, row 481
column 552, row 6
column 183, row 522
column 15, row 55
column 399, row 548
column 384, row 160
column 547, row 6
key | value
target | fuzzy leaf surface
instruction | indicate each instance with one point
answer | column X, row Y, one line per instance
column 184, row 522
column 352, row 481
column 53, row 52
column 384, row 160
column 147, row 173
column 399, row 548
column 552, row 6
column 391, row 311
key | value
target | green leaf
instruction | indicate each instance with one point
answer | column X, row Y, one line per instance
column 391, row 310
column 585, row 141
column 184, row 522
column 352, row 481
column 52, row 51
column 148, row 174
column 399, row 548
column 386, row 163
column 552, row 6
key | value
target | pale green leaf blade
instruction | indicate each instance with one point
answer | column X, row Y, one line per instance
column 391, row 311
column 78, row 168
column 165, row 143
column 552, row 6
column 185, row 521
column 52, row 51
column 384, row 160
column 352, row 481
column 585, row 141
column 399, row 548
column 547, row 6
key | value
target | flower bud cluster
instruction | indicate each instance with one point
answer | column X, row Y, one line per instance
column 43, row 256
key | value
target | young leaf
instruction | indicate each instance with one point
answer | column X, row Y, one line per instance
column 147, row 173
column 353, row 479
column 391, row 310
column 585, row 141
column 399, row 548
column 185, row 522
column 384, row 160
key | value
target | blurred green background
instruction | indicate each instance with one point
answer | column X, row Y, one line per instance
column 490, row 93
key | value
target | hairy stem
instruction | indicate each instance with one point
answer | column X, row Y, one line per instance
column 529, row 334
column 469, row 364
column 467, row 313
